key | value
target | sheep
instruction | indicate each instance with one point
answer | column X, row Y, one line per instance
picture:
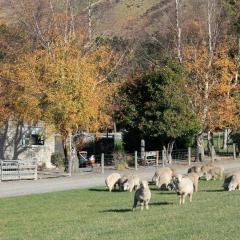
column 132, row 182
column 163, row 176
column 142, row 195
column 196, row 169
column 194, row 177
column 164, row 181
column 183, row 186
column 232, row 181
column 212, row 171
column 216, row 172
column 122, row 180
column 112, row 180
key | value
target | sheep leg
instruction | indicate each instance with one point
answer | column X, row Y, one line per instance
column 134, row 204
column 196, row 187
column 142, row 204
column 190, row 197
column 180, row 199
column 146, row 204
column 183, row 198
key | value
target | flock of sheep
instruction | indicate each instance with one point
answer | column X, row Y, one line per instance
column 168, row 178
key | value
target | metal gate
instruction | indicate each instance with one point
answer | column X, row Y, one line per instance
column 18, row 170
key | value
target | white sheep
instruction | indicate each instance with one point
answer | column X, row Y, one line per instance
column 183, row 186
column 232, row 181
column 163, row 176
column 214, row 172
column 142, row 195
column 196, row 169
column 112, row 180
column 194, row 177
column 162, row 170
column 132, row 182
column 122, row 180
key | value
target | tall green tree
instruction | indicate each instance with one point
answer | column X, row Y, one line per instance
column 157, row 104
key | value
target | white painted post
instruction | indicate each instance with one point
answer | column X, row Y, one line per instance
column 35, row 173
column 70, row 155
column 189, row 156
column 102, row 162
column 212, row 154
column 1, row 170
column 157, row 158
column 163, row 158
column 135, row 161
column 234, row 151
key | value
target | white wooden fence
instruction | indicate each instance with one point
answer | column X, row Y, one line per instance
column 18, row 170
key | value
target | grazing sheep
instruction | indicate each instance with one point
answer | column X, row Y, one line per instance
column 163, row 176
column 196, row 169
column 212, row 171
column 132, row 182
column 159, row 171
column 184, row 187
column 122, row 180
column 164, row 181
column 112, row 180
column 232, row 181
column 194, row 177
column 215, row 172
column 142, row 195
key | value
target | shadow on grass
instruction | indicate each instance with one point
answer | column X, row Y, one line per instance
column 124, row 210
column 166, row 192
column 214, row 190
column 98, row 190
column 102, row 190
column 160, row 203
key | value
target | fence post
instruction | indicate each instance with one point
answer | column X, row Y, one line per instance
column 135, row 160
column 157, row 157
column 189, row 156
column 1, row 162
column 234, row 151
column 163, row 158
column 36, row 166
column 213, row 154
column 102, row 162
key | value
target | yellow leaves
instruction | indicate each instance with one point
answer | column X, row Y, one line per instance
column 64, row 88
column 212, row 85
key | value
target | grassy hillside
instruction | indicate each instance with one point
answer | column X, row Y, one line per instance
column 97, row 214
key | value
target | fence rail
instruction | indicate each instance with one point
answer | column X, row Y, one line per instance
column 18, row 170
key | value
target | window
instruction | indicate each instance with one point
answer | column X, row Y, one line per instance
column 32, row 135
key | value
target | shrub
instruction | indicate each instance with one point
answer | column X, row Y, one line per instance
column 57, row 159
column 121, row 160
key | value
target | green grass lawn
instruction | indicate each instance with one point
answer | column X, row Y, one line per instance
column 98, row 214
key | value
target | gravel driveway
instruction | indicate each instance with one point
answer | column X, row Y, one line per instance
column 83, row 180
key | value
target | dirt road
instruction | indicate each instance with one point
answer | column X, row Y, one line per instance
column 83, row 180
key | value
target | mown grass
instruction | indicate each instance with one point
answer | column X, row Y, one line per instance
column 97, row 214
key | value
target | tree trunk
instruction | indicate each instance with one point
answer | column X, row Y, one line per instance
column 179, row 31
column 168, row 151
column 225, row 138
column 210, row 144
column 66, row 155
column 199, row 148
